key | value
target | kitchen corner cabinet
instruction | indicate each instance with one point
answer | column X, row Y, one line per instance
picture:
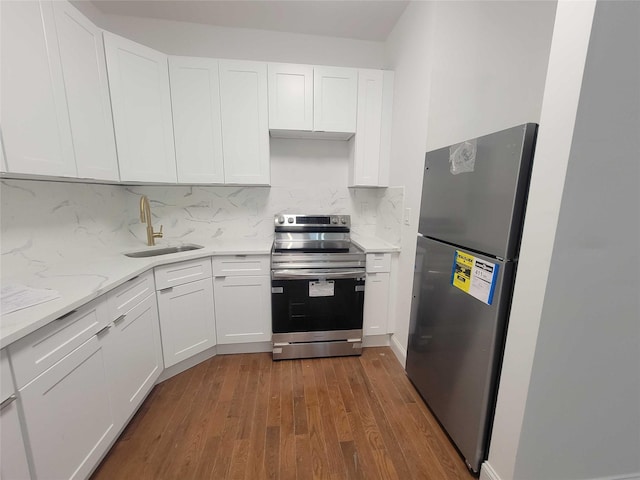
column 134, row 352
column 195, row 98
column 245, row 123
column 67, row 407
column 13, row 456
column 372, row 149
column 141, row 104
column 87, row 92
column 377, row 294
column 185, row 303
column 56, row 112
column 242, row 292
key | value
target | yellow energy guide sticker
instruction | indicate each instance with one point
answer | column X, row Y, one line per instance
column 474, row 276
column 462, row 264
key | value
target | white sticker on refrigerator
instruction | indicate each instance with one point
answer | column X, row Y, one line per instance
column 322, row 288
column 474, row 276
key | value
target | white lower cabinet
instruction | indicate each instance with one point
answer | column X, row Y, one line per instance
column 243, row 308
column 13, row 457
column 376, row 304
column 68, row 413
column 187, row 320
column 377, row 294
column 134, row 357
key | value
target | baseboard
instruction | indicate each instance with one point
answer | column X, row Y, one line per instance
column 487, row 472
column 376, row 341
column 256, row 347
column 399, row 351
column 174, row 370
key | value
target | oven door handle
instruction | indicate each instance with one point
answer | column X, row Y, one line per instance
column 289, row 274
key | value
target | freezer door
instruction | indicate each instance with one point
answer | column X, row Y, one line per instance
column 481, row 208
column 455, row 346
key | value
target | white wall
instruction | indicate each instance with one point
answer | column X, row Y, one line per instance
column 463, row 69
column 562, row 90
column 582, row 417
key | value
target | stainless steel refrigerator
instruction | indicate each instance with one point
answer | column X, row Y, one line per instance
column 471, row 214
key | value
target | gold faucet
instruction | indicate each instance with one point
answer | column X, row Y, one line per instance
column 145, row 216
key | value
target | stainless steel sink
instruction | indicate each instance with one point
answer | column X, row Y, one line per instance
column 163, row 251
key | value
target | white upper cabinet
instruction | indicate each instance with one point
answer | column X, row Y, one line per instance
column 195, row 97
column 290, row 97
column 245, row 123
column 33, row 111
column 141, row 102
column 335, row 94
column 370, row 163
column 87, row 91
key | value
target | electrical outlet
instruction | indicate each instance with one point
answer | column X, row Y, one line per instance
column 407, row 216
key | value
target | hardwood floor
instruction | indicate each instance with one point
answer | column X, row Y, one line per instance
column 245, row 416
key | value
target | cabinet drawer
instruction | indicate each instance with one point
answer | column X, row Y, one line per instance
column 378, row 262
column 40, row 350
column 232, row 265
column 128, row 295
column 183, row 272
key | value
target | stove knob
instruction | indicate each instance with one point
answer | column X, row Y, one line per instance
column 334, row 220
column 343, row 220
column 280, row 219
column 290, row 219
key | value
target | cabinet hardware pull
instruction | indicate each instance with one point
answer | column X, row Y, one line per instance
column 66, row 315
column 168, row 289
column 239, row 255
column 119, row 319
column 5, row 403
column 102, row 330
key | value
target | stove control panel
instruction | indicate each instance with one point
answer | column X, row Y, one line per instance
column 311, row 221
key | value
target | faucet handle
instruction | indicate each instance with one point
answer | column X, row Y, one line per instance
column 158, row 234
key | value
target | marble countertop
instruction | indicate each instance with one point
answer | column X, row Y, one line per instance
column 374, row 244
column 85, row 278
column 80, row 280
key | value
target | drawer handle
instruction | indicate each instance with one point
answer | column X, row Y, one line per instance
column 239, row 255
column 66, row 315
column 102, row 330
column 168, row 289
column 5, row 403
column 119, row 319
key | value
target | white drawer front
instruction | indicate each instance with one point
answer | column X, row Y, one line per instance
column 40, row 350
column 378, row 262
column 128, row 295
column 183, row 272
column 232, row 265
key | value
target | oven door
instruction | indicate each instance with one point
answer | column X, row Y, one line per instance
column 317, row 300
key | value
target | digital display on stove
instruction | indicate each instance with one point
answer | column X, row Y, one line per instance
column 313, row 220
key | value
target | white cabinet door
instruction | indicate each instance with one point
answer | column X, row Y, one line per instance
column 33, row 110
column 87, row 91
column 13, row 456
column 187, row 320
column 290, row 97
column 376, row 304
column 370, row 165
column 335, row 92
column 141, row 102
column 243, row 309
column 195, row 97
column 245, row 123
column 68, row 415
column 134, row 357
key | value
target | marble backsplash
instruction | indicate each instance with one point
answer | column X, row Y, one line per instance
column 43, row 222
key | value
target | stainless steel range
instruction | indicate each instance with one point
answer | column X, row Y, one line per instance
column 317, row 287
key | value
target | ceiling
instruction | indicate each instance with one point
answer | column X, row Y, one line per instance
column 359, row 19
